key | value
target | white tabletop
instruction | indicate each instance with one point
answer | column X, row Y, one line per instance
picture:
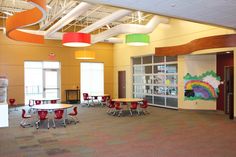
column 51, row 106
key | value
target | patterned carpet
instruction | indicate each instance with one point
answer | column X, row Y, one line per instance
column 162, row 133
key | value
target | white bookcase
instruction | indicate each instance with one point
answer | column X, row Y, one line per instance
column 155, row 79
column 4, row 122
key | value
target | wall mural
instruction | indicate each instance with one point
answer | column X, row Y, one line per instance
column 203, row 87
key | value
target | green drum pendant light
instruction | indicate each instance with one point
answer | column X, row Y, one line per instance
column 137, row 39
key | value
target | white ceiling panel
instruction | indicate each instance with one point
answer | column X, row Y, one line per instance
column 217, row 12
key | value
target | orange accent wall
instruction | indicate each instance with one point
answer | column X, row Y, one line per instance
column 13, row 54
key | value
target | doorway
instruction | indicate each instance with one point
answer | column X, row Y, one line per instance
column 229, row 91
column 121, row 84
column 51, row 83
column 42, row 80
column 225, row 71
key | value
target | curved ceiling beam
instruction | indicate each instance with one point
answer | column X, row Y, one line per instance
column 130, row 28
column 106, row 20
column 26, row 18
column 218, row 41
column 49, row 21
column 73, row 14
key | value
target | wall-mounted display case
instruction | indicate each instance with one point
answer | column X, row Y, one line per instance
column 155, row 79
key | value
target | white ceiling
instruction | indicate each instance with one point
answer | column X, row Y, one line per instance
column 109, row 18
column 217, row 12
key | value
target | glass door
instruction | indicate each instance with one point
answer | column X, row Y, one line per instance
column 51, row 83
column 42, row 80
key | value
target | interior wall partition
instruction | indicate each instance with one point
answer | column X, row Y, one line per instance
column 155, row 79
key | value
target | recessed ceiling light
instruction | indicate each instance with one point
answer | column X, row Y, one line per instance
column 228, row 52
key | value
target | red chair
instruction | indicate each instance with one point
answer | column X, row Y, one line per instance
column 42, row 117
column 53, row 101
column 144, row 106
column 59, row 116
column 38, row 102
column 118, row 108
column 74, row 114
column 104, row 100
column 133, row 107
column 25, row 119
column 111, row 106
column 86, row 98
column 12, row 102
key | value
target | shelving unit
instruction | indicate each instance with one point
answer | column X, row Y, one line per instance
column 155, row 79
column 72, row 96
column 4, row 122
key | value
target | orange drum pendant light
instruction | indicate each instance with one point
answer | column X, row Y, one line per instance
column 76, row 39
column 84, row 54
column 26, row 18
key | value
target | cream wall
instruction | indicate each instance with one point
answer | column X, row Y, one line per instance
column 194, row 65
column 175, row 33
column 13, row 54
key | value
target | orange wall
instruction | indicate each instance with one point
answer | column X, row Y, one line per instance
column 13, row 54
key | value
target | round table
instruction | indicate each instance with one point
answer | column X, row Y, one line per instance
column 50, row 107
column 126, row 101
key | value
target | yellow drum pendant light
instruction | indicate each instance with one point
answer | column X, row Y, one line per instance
column 84, row 54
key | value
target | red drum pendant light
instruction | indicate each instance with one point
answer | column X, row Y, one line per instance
column 76, row 39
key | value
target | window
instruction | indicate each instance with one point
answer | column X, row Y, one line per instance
column 42, row 80
column 92, row 78
column 155, row 79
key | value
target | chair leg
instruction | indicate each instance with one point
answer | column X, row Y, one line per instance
column 114, row 113
column 64, row 121
column 37, row 124
column 54, row 125
column 77, row 120
column 48, row 124
column 119, row 113
column 138, row 111
column 22, row 121
column 130, row 111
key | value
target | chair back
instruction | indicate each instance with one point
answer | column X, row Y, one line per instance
column 12, row 101
column 37, row 102
column 85, row 96
column 145, row 104
column 117, row 105
column 42, row 115
column 59, row 114
column 53, row 101
column 75, row 110
column 104, row 98
column 111, row 104
column 134, row 105
column 23, row 113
